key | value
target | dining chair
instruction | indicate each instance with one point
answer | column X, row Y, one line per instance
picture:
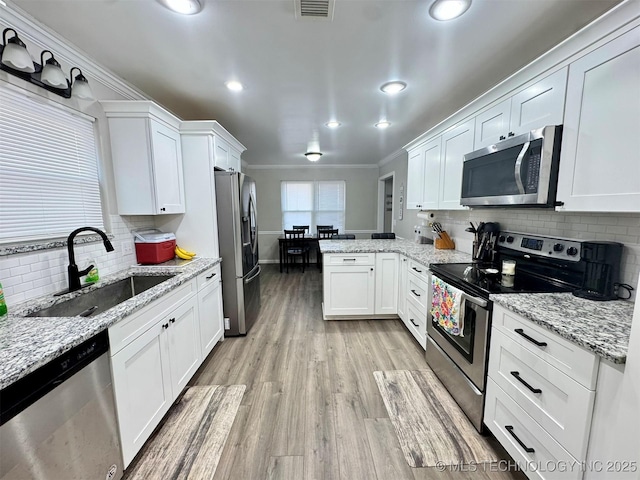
column 294, row 247
column 385, row 235
column 301, row 227
column 328, row 233
column 343, row 236
column 323, row 227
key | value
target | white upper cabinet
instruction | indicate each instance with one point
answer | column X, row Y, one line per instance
column 235, row 163
column 534, row 107
column 221, row 154
column 423, row 179
column 415, row 179
column 147, row 158
column 599, row 164
column 455, row 144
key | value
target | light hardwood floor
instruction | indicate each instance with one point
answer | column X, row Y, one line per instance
column 312, row 409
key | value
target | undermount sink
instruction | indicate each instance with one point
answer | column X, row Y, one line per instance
column 103, row 298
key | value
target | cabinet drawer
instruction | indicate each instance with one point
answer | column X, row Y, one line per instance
column 569, row 358
column 349, row 259
column 210, row 275
column 417, row 323
column 559, row 404
column 548, row 461
column 419, row 270
column 418, row 292
column 127, row 329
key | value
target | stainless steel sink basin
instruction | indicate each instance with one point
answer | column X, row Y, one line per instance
column 102, row 299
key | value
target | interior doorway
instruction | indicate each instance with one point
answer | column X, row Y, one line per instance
column 386, row 207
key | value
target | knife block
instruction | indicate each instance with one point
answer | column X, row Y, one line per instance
column 444, row 243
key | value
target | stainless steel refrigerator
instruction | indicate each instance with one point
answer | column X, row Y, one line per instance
column 238, row 238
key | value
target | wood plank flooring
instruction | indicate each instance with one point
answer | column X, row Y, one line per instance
column 312, row 409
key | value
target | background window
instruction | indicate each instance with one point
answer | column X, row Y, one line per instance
column 313, row 203
column 48, row 169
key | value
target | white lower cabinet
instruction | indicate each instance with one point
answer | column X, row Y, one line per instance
column 402, row 283
column 386, row 296
column 539, row 397
column 156, row 351
column 417, row 294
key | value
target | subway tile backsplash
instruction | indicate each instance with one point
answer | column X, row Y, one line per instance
column 613, row 227
column 30, row 275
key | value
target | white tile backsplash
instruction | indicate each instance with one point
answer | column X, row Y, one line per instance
column 30, row 275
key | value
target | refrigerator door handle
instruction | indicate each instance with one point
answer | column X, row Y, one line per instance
column 250, row 279
column 252, row 209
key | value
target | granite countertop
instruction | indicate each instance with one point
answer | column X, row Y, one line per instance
column 422, row 253
column 27, row 343
column 601, row 327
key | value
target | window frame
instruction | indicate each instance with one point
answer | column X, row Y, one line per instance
column 314, row 213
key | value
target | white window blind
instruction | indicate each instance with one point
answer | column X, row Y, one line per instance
column 48, row 170
column 313, row 203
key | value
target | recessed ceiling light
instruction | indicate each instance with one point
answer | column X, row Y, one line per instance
column 382, row 125
column 313, row 156
column 186, row 7
column 333, row 124
column 393, row 87
column 444, row 10
column 234, row 86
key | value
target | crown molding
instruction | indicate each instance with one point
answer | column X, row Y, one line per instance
column 289, row 167
column 391, row 157
column 33, row 31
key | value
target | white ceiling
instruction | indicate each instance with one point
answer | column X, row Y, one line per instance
column 299, row 74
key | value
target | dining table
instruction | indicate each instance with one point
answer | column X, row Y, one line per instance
column 309, row 240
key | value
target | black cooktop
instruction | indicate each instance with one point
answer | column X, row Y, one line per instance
column 476, row 278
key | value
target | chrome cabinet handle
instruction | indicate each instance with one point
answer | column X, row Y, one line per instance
column 526, row 384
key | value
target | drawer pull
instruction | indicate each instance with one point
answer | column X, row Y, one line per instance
column 519, row 331
column 348, row 259
column 209, row 277
column 414, row 323
column 419, row 271
column 517, row 375
column 526, row 449
column 415, row 293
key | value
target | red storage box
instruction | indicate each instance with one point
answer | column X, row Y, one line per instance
column 154, row 246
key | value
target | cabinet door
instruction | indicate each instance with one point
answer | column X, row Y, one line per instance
column 349, row 290
column 539, row 105
column 167, row 168
column 210, row 317
column 492, row 126
column 184, row 344
column 234, row 160
column 402, row 286
column 431, row 159
column 455, row 144
column 415, row 179
column 386, row 284
column 599, row 167
column 221, row 154
column 142, row 388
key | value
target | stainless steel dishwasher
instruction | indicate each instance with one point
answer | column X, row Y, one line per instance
column 59, row 421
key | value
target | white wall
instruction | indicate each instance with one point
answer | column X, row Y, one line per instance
column 361, row 200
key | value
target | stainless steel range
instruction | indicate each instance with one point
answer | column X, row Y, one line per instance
column 543, row 264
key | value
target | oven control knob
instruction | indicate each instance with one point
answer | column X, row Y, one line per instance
column 510, row 239
column 558, row 247
column 501, row 239
column 573, row 251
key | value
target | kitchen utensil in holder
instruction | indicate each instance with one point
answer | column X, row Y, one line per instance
column 444, row 242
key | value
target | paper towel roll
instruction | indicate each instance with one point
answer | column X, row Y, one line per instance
column 427, row 215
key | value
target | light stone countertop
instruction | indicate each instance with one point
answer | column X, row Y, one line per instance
column 422, row 253
column 601, row 327
column 27, row 343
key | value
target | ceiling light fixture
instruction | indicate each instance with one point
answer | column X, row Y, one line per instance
column 313, row 156
column 333, row 124
column 15, row 59
column 383, row 124
column 234, row 86
column 185, row 7
column 444, row 10
column 394, row 87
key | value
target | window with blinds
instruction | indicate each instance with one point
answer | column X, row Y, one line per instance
column 49, row 179
column 313, row 203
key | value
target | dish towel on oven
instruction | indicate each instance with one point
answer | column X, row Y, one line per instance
column 446, row 303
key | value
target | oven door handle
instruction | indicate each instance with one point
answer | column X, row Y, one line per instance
column 481, row 302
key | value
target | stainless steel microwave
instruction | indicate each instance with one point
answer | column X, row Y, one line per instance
column 521, row 171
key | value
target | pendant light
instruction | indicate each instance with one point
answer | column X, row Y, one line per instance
column 80, row 87
column 15, row 54
column 52, row 74
column 313, row 156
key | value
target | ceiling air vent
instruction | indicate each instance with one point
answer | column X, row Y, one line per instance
column 314, row 9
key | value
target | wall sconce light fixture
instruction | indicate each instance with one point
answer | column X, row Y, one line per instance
column 15, row 59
